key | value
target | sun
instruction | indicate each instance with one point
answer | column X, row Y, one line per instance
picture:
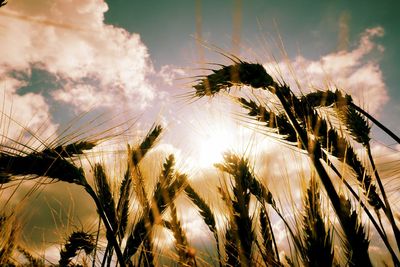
column 217, row 136
column 212, row 147
column 210, row 132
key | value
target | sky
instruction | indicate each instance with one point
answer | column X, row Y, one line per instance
column 130, row 60
column 311, row 29
column 131, row 51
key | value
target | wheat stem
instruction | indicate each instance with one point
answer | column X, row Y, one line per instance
column 315, row 154
column 378, row 228
column 375, row 121
column 110, row 232
column 387, row 209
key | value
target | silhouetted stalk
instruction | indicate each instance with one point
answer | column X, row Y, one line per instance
column 169, row 184
column 294, row 238
column 268, row 239
column 33, row 261
column 315, row 154
column 272, row 236
column 317, row 240
column 96, row 242
column 76, row 242
column 285, row 129
column 240, row 221
column 148, row 252
column 359, row 129
column 307, row 133
column 378, row 228
column 375, row 121
column 206, row 214
column 48, row 163
column 353, row 118
column 238, row 168
column 265, row 197
column 387, row 209
column 122, row 212
column 147, row 249
column 106, row 198
column 111, row 237
column 133, row 178
column 231, row 246
column 135, row 239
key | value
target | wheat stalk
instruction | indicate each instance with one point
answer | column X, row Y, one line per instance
column 77, row 241
column 352, row 117
column 105, row 195
column 232, row 248
column 181, row 242
column 238, row 168
column 357, row 254
column 205, row 213
column 49, row 163
column 328, row 98
column 73, row 149
column 32, row 261
column 318, row 245
column 305, row 135
column 106, row 198
column 135, row 239
column 269, row 252
column 166, row 190
column 123, row 203
column 142, row 229
column 39, row 164
column 148, row 142
column 329, row 140
column 241, row 72
column 8, row 234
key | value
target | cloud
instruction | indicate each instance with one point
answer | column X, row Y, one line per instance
column 99, row 64
column 169, row 73
column 95, row 65
column 23, row 116
column 355, row 71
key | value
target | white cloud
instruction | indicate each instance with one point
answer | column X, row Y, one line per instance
column 70, row 40
column 354, row 71
column 169, row 73
column 24, row 119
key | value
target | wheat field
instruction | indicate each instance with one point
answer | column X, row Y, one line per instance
column 307, row 187
column 343, row 199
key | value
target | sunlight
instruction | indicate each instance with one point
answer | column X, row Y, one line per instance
column 213, row 146
column 212, row 133
column 214, row 140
